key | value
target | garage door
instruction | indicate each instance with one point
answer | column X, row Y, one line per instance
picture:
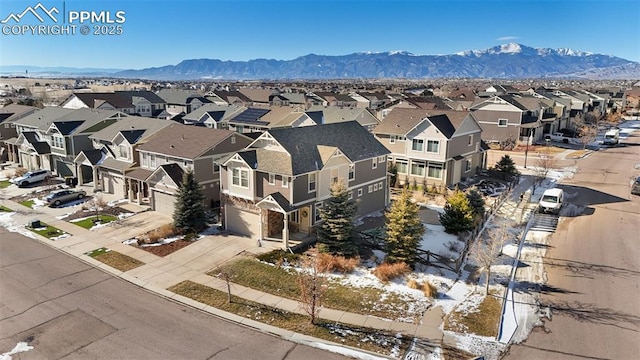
column 114, row 185
column 163, row 203
column 242, row 222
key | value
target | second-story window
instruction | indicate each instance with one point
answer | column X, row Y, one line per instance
column 352, row 172
column 144, row 159
column 285, row 181
column 374, row 163
column 433, row 146
column 152, row 160
column 123, row 151
column 272, row 179
column 470, row 140
column 417, row 145
column 503, row 122
column 312, row 182
column 334, row 176
column 57, row 141
column 240, row 177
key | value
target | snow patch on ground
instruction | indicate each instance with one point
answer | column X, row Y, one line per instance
column 8, row 223
column 20, row 347
column 479, row 345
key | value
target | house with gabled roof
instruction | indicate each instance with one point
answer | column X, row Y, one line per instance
column 187, row 147
column 336, row 114
column 182, row 101
column 113, row 154
column 213, row 116
column 431, row 147
column 502, row 117
column 8, row 134
column 277, row 186
column 140, row 102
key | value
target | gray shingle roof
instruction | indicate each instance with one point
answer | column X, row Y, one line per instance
column 128, row 123
column 184, row 141
column 303, row 144
column 43, row 118
column 400, row 121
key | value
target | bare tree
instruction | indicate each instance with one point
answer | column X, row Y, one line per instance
column 226, row 276
column 312, row 283
column 97, row 204
column 545, row 163
column 586, row 128
column 486, row 252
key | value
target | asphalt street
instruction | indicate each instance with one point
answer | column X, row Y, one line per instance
column 66, row 309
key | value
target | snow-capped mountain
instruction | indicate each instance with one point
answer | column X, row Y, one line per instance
column 504, row 61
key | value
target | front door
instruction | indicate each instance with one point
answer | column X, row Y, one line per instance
column 304, row 220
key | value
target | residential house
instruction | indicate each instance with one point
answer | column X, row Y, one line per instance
column 256, row 119
column 180, row 102
column 8, row 133
column 169, row 152
column 213, row 115
column 233, row 98
column 113, row 155
column 432, row 147
column 501, row 118
column 139, row 102
column 277, row 186
column 632, row 99
column 52, row 137
column 335, row 99
column 258, row 96
column 335, row 114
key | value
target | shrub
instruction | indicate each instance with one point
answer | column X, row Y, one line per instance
column 20, row 171
column 278, row 257
column 427, row 289
column 386, row 271
column 162, row 232
column 333, row 263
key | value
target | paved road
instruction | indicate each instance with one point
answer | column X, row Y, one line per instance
column 66, row 309
column 593, row 266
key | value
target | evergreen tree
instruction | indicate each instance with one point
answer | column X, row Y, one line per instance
column 189, row 214
column 506, row 166
column 335, row 232
column 404, row 230
column 458, row 213
column 476, row 201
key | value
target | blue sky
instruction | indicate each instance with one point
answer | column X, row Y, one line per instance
column 161, row 32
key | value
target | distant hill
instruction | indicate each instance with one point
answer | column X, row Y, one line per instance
column 508, row 61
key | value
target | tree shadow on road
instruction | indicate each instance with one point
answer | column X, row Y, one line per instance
column 590, row 313
column 529, row 287
column 589, row 270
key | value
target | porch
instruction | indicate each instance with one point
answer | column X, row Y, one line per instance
column 281, row 222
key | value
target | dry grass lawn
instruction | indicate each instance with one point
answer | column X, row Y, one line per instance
column 115, row 259
column 368, row 339
column 483, row 320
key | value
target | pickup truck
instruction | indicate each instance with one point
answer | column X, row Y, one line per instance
column 559, row 137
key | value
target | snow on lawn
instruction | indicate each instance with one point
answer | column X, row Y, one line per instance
column 480, row 345
column 8, row 223
column 354, row 354
column 20, row 347
column 437, row 241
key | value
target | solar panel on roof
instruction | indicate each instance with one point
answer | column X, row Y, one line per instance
column 250, row 115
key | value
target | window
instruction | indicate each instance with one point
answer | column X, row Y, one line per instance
column 334, row 176
column 312, row 182
column 240, row 177
column 294, row 217
column 417, row 168
column 470, row 140
column 285, row 181
column 417, row 145
column 123, row 151
column 467, row 166
column 435, row 171
column 392, row 139
column 402, row 166
column 350, row 196
column 57, row 141
column 370, row 189
column 503, row 122
column 152, row 160
column 381, row 159
column 359, row 192
column 375, row 187
column 374, row 164
column 380, row 185
column 216, row 165
column 318, row 211
column 233, row 138
column 145, row 159
column 433, row 146
column 352, row 172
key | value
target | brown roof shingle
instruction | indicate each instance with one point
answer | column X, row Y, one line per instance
column 184, row 141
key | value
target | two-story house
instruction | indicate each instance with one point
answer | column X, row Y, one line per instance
column 433, row 148
column 500, row 117
column 277, row 186
column 181, row 101
column 8, row 133
column 113, row 154
column 335, row 114
column 213, row 116
column 140, row 102
column 168, row 153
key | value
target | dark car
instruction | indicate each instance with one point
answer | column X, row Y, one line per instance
column 635, row 188
column 58, row 197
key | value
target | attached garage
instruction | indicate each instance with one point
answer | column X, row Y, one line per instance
column 163, row 202
column 113, row 184
column 242, row 222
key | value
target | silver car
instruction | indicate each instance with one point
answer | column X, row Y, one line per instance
column 58, row 197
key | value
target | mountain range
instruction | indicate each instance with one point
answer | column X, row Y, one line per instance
column 508, row 61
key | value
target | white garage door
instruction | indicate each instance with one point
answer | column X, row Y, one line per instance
column 163, row 203
column 114, row 185
column 242, row 222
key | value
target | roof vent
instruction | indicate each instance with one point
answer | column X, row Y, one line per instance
column 171, row 146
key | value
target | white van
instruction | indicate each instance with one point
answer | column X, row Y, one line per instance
column 551, row 201
column 611, row 137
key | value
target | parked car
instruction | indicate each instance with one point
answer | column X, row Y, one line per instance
column 31, row 177
column 611, row 137
column 551, row 201
column 635, row 188
column 58, row 197
column 559, row 137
